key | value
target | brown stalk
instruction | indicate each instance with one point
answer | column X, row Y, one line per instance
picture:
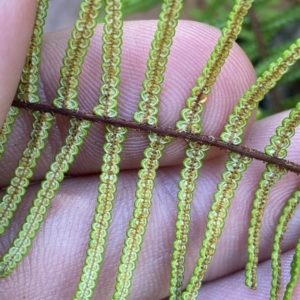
column 161, row 130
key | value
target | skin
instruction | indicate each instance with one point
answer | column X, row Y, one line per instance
column 53, row 265
column 15, row 39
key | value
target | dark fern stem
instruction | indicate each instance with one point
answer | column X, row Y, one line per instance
column 188, row 127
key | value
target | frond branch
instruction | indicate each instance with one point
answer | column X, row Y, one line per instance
column 162, row 130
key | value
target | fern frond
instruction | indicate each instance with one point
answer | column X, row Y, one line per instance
column 43, row 198
column 28, row 89
column 147, row 113
column 295, row 272
column 142, row 204
column 285, row 217
column 235, row 166
column 233, row 132
column 192, row 164
column 18, row 184
column 111, row 53
column 28, row 86
column 156, row 65
column 77, row 49
column 273, row 55
column 190, row 122
column 67, row 97
column 279, row 143
column 7, row 127
column 238, row 120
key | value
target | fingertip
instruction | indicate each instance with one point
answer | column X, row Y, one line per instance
column 16, row 22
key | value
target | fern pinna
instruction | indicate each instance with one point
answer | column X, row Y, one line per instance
column 146, row 118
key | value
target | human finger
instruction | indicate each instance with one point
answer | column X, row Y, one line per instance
column 16, row 23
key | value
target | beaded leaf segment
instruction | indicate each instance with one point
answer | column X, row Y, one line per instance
column 108, row 102
column 279, row 143
column 67, row 94
column 285, row 217
column 295, row 272
column 147, row 113
column 195, row 152
column 28, row 89
column 7, row 127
